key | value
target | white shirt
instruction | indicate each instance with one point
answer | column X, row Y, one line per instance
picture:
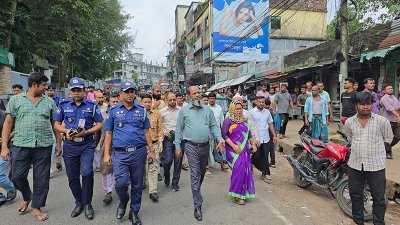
column 218, row 114
column 169, row 118
column 368, row 143
column 179, row 107
column 260, row 121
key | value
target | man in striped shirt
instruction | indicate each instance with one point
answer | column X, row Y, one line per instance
column 368, row 134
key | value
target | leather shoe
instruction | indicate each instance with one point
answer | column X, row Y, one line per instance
column 89, row 213
column 11, row 195
column 108, row 199
column 121, row 210
column 154, row 196
column 197, row 214
column 77, row 210
column 134, row 218
column 159, row 177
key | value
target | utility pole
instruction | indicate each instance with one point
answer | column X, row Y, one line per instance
column 344, row 43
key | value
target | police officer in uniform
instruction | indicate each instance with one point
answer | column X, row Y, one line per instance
column 51, row 92
column 128, row 127
column 79, row 116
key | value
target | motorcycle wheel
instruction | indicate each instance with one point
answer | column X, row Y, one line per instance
column 344, row 201
column 298, row 178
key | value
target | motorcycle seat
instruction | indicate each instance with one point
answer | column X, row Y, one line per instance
column 311, row 143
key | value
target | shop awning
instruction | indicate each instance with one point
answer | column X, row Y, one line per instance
column 232, row 82
column 381, row 53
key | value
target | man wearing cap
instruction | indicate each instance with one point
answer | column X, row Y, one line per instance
column 79, row 116
column 51, row 92
column 127, row 126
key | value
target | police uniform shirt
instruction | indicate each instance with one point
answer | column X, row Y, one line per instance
column 70, row 113
column 57, row 100
column 127, row 125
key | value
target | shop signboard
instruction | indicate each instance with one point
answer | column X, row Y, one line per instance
column 7, row 58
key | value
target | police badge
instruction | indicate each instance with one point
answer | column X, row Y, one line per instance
column 120, row 124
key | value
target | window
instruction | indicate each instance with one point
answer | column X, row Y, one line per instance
column 206, row 23
column 206, row 54
column 275, row 22
column 198, row 31
column 135, row 67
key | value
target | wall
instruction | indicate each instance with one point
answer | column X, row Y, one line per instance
column 180, row 23
column 283, row 47
column 301, row 24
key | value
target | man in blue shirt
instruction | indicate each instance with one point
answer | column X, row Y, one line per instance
column 195, row 123
column 79, row 116
column 127, row 126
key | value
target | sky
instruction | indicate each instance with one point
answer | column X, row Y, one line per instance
column 154, row 22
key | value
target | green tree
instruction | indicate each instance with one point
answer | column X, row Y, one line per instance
column 86, row 35
column 367, row 9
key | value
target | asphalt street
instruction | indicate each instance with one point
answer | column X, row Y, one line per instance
column 280, row 202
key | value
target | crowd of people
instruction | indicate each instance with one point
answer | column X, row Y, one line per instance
column 130, row 135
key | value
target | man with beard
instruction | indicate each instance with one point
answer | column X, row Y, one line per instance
column 369, row 85
column 169, row 117
column 142, row 91
column 195, row 124
column 391, row 108
column 368, row 134
column 82, row 118
column 317, row 115
column 99, row 98
column 158, row 103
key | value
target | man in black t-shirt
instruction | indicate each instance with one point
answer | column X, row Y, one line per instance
column 301, row 101
column 348, row 99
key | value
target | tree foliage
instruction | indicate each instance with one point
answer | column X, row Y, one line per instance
column 83, row 36
column 367, row 15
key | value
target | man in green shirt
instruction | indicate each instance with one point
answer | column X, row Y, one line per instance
column 326, row 96
column 31, row 113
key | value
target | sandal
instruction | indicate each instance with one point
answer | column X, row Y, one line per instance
column 208, row 174
column 224, row 168
column 241, row 202
column 23, row 206
column 263, row 178
column 41, row 216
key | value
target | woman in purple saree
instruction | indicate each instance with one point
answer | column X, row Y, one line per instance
column 236, row 132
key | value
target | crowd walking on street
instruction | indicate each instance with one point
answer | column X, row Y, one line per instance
column 137, row 137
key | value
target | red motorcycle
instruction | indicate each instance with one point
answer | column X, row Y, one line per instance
column 325, row 165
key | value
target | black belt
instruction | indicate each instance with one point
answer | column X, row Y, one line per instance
column 129, row 149
column 197, row 144
column 80, row 139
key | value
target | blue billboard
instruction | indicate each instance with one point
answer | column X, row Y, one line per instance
column 240, row 31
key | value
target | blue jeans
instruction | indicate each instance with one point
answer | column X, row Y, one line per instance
column 4, row 180
column 169, row 156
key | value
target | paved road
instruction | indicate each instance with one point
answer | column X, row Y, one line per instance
column 280, row 202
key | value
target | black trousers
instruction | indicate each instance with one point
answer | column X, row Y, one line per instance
column 377, row 183
column 22, row 159
column 284, row 121
column 396, row 137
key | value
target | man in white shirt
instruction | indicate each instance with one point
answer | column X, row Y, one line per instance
column 169, row 117
column 262, row 123
column 219, row 117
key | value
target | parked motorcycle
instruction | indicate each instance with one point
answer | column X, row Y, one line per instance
column 325, row 165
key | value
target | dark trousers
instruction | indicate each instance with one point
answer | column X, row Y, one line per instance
column 377, row 183
column 266, row 149
column 78, row 159
column 198, row 161
column 284, row 121
column 40, row 159
column 169, row 157
column 304, row 127
column 396, row 137
column 129, row 169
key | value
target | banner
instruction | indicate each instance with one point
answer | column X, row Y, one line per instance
column 241, row 31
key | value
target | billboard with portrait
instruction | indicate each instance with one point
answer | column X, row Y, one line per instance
column 241, row 31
